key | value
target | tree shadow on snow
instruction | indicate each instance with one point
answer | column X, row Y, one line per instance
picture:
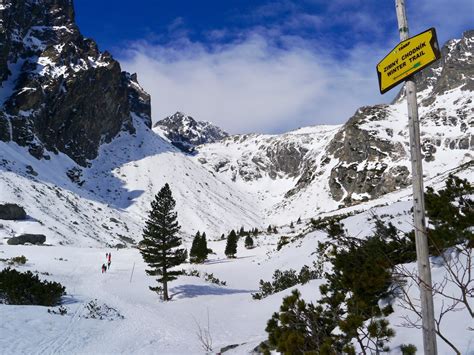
column 69, row 299
column 191, row 291
column 227, row 260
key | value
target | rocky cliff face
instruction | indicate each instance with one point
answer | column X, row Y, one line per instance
column 186, row 133
column 58, row 91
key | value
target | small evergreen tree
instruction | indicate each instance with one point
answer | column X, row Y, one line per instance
column 299, row 220
column 255, row 231
column 160, row 244
column 199, row 251
column 203, row 250
column 275, row 231
column 269, row 229
column 242, row 231
column 194, row 252
column 248, row 242
column 231, row 246
column 292, row 225
column 451, row 213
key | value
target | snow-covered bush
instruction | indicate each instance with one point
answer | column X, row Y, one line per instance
column 286, row 279
column 94, row 310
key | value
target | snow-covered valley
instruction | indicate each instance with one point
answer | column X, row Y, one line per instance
column 150, row 326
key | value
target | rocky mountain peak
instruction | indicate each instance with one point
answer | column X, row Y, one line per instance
column 59, row 93
column 186, row 133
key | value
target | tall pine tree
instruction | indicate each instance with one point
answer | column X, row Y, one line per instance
column 160, row 244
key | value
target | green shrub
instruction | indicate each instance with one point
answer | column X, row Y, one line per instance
column 450, row 212
column 20, row 260
column 409, row 349
column 286, row 279
column 360, row 276
column 282, row 242
column 210, row 278
column 25, row 288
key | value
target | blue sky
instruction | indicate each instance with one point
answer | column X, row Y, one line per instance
column 264, row 66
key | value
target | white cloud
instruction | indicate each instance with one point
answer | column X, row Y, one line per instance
column 253, row 85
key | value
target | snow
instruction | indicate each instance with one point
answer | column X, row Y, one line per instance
column 151, row 326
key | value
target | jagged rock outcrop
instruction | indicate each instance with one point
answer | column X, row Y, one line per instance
column 186, row 133
column 361, row 153
column 58, row 91
column 454, row 69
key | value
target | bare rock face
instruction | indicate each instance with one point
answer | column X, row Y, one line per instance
column 59, row 92
column 454, row 69
column 361, row 169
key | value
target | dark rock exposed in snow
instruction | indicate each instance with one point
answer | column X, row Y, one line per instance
column 12, row 211
column 27, row 238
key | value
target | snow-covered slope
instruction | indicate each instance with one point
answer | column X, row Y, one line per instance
column 322, row 168
column 108, row 202
column 269, row 166
column 150, row 326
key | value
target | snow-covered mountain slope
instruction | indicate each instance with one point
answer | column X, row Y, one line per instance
column 150, row 326
column 186, row 133
column 269, row 166
column 69, row 105
column 250, row 180
column 108, row 202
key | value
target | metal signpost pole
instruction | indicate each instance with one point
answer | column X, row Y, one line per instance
column 424, row 269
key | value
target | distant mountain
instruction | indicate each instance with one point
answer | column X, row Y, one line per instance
column 58, row 92
column 186, row 133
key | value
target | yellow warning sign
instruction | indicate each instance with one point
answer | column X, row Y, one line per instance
column 408, row 58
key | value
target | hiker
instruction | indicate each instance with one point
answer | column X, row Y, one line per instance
column 109, row 261
column 104, row 268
